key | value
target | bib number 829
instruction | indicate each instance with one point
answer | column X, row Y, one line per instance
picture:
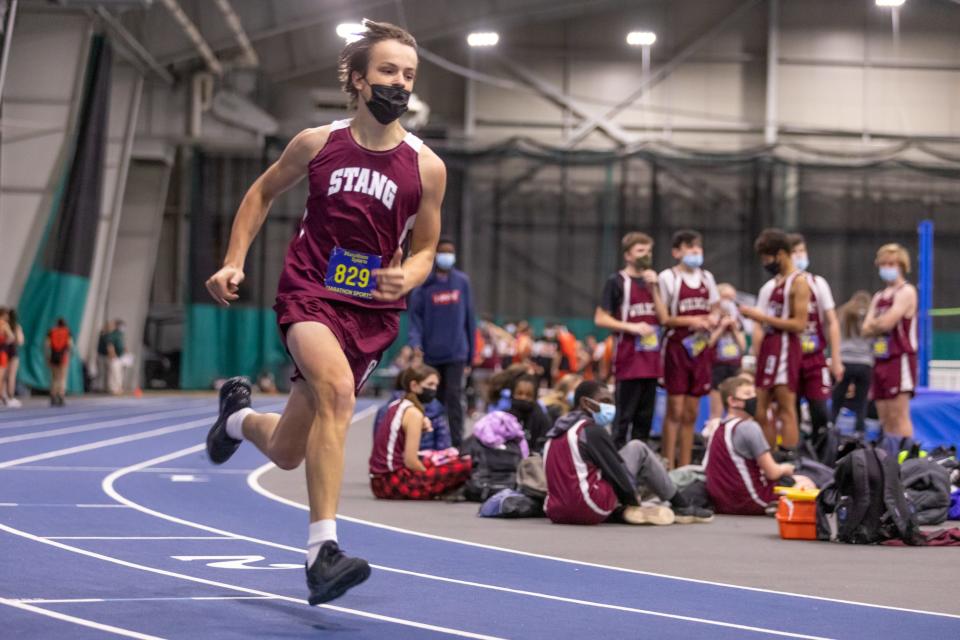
column 351, row 276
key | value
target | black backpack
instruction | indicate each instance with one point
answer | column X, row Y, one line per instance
column 928, row 489
column 493, row 469
column 865, row 502
column 823, row 446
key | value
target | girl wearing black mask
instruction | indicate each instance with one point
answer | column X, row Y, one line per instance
column 396, row 469
column 524, row 405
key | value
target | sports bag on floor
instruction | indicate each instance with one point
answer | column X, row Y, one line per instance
column 865, row 502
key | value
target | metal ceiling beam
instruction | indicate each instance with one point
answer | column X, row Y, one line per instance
column 664, row 72
column 520, row 17
column 9, row 20
column 236, row 26
column 194, row 35
column 273, row 32
column 138, row 50
column 558, row 97
column 773, row 75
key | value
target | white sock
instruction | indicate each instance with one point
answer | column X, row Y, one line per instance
column 320, row 532
column 235, row 423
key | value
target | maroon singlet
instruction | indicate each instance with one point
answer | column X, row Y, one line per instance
column 637, row 356
column 359, row 200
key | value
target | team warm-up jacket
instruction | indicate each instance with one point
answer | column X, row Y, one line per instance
column 597, row 448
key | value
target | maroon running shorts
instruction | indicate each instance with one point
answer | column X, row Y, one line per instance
column 894, row 376
column 364, row 334
column 815, row 381
column 684, row 375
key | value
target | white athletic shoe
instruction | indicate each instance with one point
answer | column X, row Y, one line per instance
column 14, row 403
column 658, row 515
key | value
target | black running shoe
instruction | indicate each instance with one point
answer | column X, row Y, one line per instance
column 234, row 395
column 333, row 573
column 691, row 514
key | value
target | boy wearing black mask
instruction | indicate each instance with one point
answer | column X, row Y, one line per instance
column 632, row 307
column 782, row 311
column 741, row 472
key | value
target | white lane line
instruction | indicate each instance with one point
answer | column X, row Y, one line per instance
column 79, row 621
column 157, row 599
column 100, row 506
column 139, row 537
column 151, row 470
column 110, row 490
column 233, row 587
column 253, row 480
column 107, row 424
column 68, row 416
column 105, row 443
column 48, row 505
column 110, row 442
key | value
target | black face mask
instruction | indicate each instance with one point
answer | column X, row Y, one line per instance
column 427, row 396
column 750, row 406
column 521, row 408
column 387, row 102
column 643, row 263
column 773, row 268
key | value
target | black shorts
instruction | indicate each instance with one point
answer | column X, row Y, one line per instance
column 722, row 371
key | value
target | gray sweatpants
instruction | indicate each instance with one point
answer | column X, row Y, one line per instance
column 646, row 469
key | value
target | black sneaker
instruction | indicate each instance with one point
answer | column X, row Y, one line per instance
column 691, row 514
column 234, row 395
column 333, row 573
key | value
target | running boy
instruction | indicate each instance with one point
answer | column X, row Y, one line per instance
column 372, row 185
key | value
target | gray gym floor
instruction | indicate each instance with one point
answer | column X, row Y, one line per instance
column 745, row 551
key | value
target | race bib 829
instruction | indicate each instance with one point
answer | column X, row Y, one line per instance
column 350, row 273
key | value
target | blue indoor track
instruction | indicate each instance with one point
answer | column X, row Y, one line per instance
column 113, row 523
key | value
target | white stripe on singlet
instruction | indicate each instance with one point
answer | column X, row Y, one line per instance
column 395, row 425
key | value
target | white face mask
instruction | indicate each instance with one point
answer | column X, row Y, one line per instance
column 446, row 261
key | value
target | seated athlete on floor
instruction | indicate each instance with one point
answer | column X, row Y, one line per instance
column 741, row 471
column 524, row 406
column 588, row 480
column 438, row 437
column 396, row 469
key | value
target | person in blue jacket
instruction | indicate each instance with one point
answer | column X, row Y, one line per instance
column 442, row 328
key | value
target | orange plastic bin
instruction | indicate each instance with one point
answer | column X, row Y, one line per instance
column 797, row 513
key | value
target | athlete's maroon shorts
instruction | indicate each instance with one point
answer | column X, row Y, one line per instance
column 364, row 334
column 894, row 376
column 815, row 381
column 406, row 484
column 684, row 375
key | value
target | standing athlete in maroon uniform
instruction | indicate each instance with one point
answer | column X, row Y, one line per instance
column 633, row 309
column 892, row 321
column 371, row 185
column 784, row 318
column 690, row 294
column 823, row 330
